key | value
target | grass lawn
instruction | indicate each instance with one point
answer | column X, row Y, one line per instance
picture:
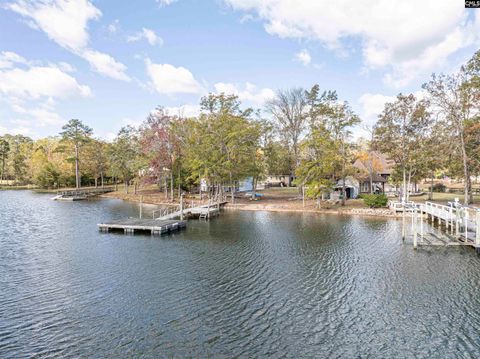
column 444, row 198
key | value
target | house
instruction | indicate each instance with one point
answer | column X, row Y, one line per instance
column 279, row 181
column 352, row 188
column 382, row 169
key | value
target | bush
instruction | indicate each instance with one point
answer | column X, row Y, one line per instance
column 375, row 200
column 439, row 187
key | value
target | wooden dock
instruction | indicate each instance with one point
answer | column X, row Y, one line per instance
column 81, row 193
column 205, row 211
column 136, row 225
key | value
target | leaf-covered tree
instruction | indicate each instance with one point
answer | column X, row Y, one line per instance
column 4, row 150
column 77, row 133
column 401, row 128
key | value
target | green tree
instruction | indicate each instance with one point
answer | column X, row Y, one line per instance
column 224, row 143
column 96, row 159
column 4, row 150
column 78, row 134
column 339, row 122
column 20, row 148
column 319, row 158
column 400, row 132
column 124, row 156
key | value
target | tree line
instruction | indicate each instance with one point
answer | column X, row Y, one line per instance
column 306, row 133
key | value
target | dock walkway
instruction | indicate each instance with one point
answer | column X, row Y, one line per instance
column 456, row 224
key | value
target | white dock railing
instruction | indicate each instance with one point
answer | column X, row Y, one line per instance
column 461, row 222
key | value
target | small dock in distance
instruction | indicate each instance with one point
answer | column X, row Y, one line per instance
column 81, row 193
column 137, row 225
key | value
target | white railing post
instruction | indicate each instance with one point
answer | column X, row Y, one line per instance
column 451, row 220
column 414, row 221
column 421, row 224
column 457, row 224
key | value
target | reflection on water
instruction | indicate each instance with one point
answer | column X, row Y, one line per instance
column 247, row 284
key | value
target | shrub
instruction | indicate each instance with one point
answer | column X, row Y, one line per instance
column 375, row 200
column 439, row 187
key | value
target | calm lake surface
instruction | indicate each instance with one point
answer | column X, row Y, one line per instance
column 247, row 284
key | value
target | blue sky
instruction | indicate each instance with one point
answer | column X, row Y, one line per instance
column 109, row 63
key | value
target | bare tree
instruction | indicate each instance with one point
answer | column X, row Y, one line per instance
column 289, row 110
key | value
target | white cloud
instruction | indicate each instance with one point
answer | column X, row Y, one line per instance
column 30, row 92
column 40, row 81
column 8, row 59
column 408, row 38
column 147, row 34
column 165, row 2
column 249, row 93
column 66, row 23
column 372, row 105
column 303, row 57
column 40, row 116
column 114, row 26
column 168, row 79
column 106, row 64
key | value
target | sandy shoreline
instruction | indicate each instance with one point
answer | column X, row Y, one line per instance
column 269, row 206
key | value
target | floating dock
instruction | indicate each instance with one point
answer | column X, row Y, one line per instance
column 135, row 225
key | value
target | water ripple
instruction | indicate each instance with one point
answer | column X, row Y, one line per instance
column 243, row 285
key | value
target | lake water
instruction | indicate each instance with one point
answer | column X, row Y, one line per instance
column 246, row 284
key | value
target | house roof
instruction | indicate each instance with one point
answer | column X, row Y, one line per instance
column 375, row 178
column 385, row 165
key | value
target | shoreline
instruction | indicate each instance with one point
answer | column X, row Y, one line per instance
column 284, row 206
column 362, row 212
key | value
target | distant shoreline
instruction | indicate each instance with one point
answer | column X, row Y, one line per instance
column 256, row 206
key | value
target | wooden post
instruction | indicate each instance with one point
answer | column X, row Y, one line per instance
column 403, row 221
column 414, row 221
column 141, row 206
column 303, row 196
column 208, row 208
column 181, row 207
column 477, row 228
column 466, row 225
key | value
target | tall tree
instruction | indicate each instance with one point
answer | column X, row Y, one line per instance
column 339, row 123
column 4, row 150
column 76, row 132
column 19, row 148
column 96, row 159
column 401, row 128
column 124, row 157
column 288, row 108
column 455, row 99
column 223, row 142
column 157, row 143
column 319, row 158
